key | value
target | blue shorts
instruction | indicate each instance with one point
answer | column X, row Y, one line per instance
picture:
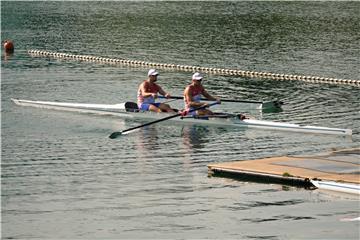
column 193, row 113
column 146, row 106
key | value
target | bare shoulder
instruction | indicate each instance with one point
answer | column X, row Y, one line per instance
column 144, row 84
column 188, row 88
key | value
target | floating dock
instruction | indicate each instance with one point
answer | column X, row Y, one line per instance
column 339, row 166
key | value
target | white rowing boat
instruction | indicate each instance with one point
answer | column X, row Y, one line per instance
column 130, row 110
column 336, row 186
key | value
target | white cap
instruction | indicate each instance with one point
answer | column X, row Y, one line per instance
column 152, row 72
column 197, row 76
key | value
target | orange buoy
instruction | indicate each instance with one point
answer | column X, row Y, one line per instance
column 8, row 46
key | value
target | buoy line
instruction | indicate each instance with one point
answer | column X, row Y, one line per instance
column 215, row 71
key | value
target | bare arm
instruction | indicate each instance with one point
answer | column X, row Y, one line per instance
column 189, row 99
column 210, row 97
column 162, row 92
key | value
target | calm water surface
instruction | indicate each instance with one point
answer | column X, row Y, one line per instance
column 62, row 177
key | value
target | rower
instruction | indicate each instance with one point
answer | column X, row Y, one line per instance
column 148, row 92
column 192, row 96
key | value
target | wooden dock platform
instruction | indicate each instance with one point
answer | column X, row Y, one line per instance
column 340, row 166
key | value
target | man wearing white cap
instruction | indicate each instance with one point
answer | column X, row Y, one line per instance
column 192, row 96
column 147, row 93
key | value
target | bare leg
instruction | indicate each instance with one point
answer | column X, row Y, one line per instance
column 166, row 107
column 154, row 108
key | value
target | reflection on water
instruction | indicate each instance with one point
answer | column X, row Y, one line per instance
column 194, row 136
column 7, row 56
column 147, row 141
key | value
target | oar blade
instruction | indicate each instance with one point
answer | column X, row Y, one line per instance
column 271, row 106
column 118, row 134
column 115, row 135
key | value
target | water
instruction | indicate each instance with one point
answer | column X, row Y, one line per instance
column 62, row 177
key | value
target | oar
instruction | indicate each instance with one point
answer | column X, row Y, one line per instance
column 276, row 103
column 117, row 134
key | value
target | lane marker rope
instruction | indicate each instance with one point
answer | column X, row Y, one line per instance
column 215, row 71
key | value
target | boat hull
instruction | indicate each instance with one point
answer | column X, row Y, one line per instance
column 129, row 110
column 336, row 186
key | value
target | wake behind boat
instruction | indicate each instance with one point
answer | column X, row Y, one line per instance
column 130, row 110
